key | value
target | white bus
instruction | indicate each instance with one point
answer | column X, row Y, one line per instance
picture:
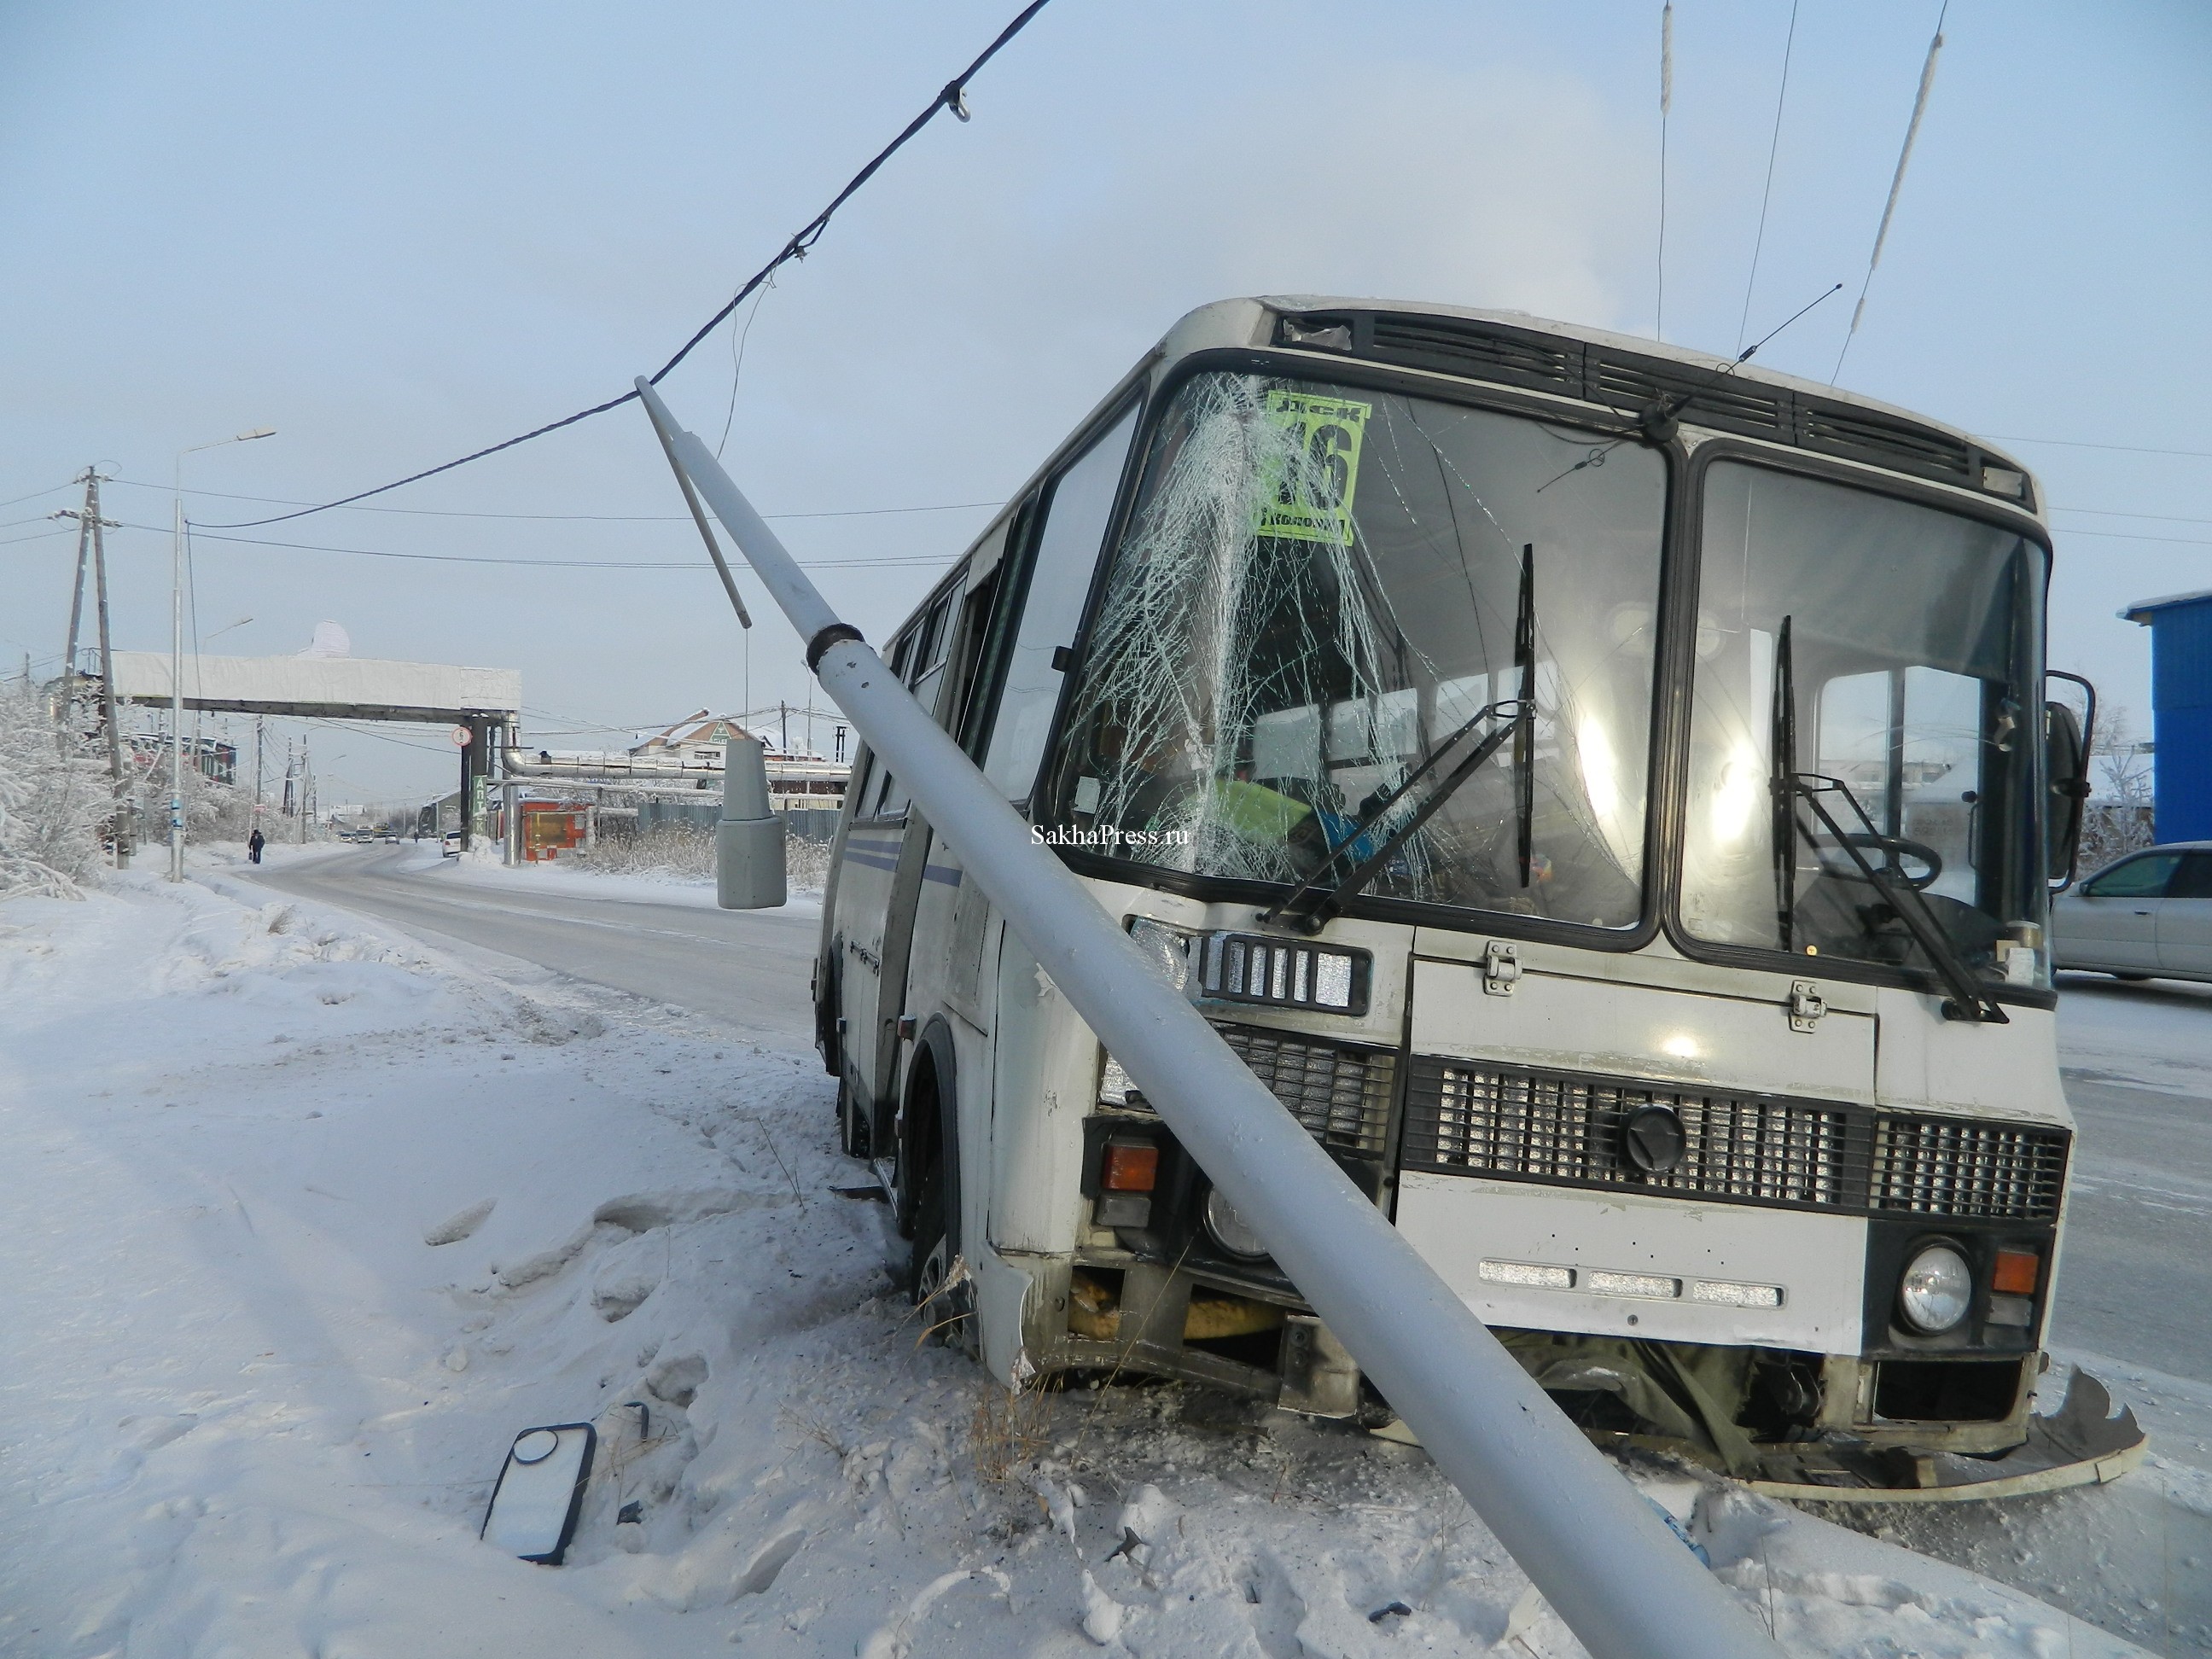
column 1609, row 798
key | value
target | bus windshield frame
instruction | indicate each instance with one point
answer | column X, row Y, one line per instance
column 1426, row 501
column 1899, row 709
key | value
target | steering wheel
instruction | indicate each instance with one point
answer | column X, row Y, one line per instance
column 1891, row 848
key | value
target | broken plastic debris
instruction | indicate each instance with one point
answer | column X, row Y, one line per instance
column 533, row 1508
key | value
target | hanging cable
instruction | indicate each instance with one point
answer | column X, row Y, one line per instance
column 555, row 518
column 1766, row 195
column 738, row 364
column 1666, row 104
column 1896, row 185
column 887, row 561
column 953, row 96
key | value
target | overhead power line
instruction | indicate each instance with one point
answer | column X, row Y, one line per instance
column 202, row 533
column 2080, row 443
column 563, row 517
column 953, row 96
column 1666, row 107
column 2118, row 513
column 1896, row 185
column 1766, row 195
column 51, row 489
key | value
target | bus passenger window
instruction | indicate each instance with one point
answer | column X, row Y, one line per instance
column 1060, row 567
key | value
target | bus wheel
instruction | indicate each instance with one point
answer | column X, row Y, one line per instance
column 932, row 1261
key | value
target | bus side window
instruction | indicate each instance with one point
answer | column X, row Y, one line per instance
column 1063, row 558
column 888, row 797
column 966, row 652
column 936, row 637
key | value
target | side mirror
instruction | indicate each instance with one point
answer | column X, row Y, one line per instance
column 2066, row 781
column 749, row 840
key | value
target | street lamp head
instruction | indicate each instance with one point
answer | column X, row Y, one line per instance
column 258, row 432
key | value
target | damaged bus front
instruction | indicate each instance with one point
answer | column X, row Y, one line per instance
column 1610, row 799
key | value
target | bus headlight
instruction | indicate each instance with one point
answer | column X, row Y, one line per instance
column 1937, row 1289
column 1230, row 1230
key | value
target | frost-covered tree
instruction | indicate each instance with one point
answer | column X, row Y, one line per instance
column 53, row 799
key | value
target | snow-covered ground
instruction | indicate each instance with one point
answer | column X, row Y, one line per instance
column 247, row 1408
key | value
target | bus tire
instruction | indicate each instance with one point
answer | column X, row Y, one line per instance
column 931, row 1262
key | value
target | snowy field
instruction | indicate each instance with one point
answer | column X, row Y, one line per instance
column 249, row 1408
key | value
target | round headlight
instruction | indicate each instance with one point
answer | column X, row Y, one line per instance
column 1937, row 1289
column 1230, row 1230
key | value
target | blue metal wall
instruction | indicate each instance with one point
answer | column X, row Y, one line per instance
column 2181, row 711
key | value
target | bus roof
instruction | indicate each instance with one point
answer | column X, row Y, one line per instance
column 1619, row 370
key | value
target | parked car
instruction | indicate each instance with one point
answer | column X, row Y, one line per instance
column 2149, row 915
column 449, row 844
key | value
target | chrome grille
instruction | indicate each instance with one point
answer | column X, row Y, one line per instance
column 1342, row 1096
column 1476, row 1119
column 1954, row 1167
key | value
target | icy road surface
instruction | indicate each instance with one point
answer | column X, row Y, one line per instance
column 248, row 1408
column 663, row 940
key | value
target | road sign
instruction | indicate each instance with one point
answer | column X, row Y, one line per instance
column 460, row 736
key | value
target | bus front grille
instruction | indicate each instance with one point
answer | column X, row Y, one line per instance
column 1956, row 1167
column 1471, row 1118
column 1342, row 1096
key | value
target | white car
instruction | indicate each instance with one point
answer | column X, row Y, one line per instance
column 450, row 843
column 2149, row 915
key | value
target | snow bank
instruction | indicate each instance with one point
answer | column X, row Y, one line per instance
column 310, row 1221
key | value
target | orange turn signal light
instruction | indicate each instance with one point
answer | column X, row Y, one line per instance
column 1131, row 1166
column 2017, row 1272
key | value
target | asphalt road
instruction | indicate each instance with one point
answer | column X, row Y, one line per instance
column 2137, row 1276
column 748, row 969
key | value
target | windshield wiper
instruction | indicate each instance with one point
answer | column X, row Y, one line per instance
column 1521, row 729
column 1968, row 1000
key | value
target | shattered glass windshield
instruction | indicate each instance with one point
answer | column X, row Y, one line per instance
column 1316, row 591
column 1892, row 743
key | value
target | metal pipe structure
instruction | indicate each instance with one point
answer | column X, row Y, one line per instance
column 1597, row 1551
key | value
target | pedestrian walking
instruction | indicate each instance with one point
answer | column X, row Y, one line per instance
column 254, row 843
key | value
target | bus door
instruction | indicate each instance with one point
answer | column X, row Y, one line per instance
column 885, row 852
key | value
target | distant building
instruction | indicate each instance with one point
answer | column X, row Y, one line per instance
column 215, row 762
column 2181, row 710
column 797, row 778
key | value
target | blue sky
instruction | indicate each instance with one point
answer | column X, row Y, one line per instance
column 395, row 232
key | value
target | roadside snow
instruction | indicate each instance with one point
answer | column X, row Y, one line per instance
column 311, row 1220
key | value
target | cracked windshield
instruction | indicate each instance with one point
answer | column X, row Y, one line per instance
column 1886, row 639
column 1320, row 605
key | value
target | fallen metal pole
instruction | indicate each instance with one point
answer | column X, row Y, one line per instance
column 1590, row 1543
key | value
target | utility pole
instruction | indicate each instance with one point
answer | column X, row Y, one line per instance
column 125, row 817
column 68, row 709
column 260, row 727
column 89, row 526
column 307, row 775
column 783, row 717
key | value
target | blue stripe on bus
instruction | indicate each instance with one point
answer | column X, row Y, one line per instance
column 943, row 873
column 872, row 860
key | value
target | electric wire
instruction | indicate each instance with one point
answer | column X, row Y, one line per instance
column 1666, row 104
column 1766, row 195
column 738, row 364
column 49, row 489
column 569, row 517
column 887, row 563
column 953, row 96
column 2080, row 443
column 2119, row 512
column 1896, row 185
